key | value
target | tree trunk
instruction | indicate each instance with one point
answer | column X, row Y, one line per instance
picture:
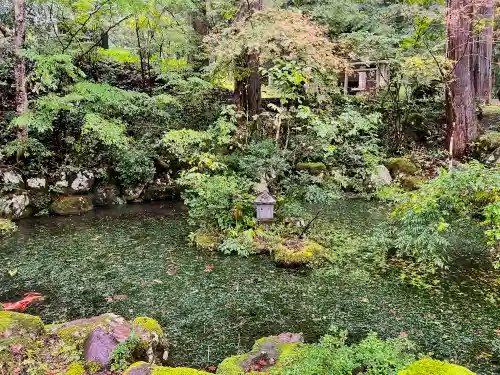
column 461, row 119
column 247, row 85
column 19, row 67
column 482, row 54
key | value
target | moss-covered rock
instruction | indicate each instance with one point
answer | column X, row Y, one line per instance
column 103, row 342
column 7, row 227
column 266, row 353
column 19, row 334
column 71, row 205
column 143, row 368
column 297, row 252
column 488, row 142
column 313, row 168
column 433, row 367
column 149, row 325
column 401, row 165
column 17, row 324
column 411, row 182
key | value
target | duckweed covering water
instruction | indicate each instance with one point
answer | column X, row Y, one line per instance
column 142, row 266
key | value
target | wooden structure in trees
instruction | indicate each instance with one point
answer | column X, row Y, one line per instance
column 364, row 77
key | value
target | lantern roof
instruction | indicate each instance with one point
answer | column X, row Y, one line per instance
column 265, row 198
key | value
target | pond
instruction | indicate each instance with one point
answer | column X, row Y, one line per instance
column 213, row 306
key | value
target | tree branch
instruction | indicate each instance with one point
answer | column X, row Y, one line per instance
column 83, row 26
column 79, row 58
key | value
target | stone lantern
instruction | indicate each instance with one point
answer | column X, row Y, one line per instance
column 264, row 205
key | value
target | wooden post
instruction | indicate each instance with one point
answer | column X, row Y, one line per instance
column 346, row 83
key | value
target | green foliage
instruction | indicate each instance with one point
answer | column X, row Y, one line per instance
column 424, row 218
column 332, row 356
column 242, row 244
column 134, row 165
column 123, row 355
column 218, row 201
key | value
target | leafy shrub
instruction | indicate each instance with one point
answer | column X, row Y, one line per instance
column 241, row 245
column 332, row 356
column 218, row 201
column 424, row 218
column 134, row 166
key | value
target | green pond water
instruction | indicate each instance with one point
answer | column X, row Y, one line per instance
column 77, row 263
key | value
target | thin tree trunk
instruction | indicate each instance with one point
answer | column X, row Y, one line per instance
column 483, row 50
column 461, row 121
column 19, row 67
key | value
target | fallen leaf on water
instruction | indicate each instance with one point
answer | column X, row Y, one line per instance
column 13, row 272
column 209, row 268
column 116, row 298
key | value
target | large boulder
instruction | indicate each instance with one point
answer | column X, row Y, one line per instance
column 71, row 205
column 266, row 353
column 380, row 176
column 401, row 166
column 15, row 205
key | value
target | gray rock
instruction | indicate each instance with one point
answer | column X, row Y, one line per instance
column 36, row 183
column 83, row 182
column 11, row 181
column 98, row 346
column 15, row 206
column 381, row 176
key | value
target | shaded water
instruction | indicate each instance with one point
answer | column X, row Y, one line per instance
column 142, row 252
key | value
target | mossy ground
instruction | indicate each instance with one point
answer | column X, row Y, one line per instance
column 77, row 263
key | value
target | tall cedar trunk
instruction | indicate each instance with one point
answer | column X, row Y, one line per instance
column 483, row 50
column 19, row 67
column 248, row 88
column 201, row 26
column 461, row 121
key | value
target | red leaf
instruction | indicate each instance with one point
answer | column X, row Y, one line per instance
column 209, row 268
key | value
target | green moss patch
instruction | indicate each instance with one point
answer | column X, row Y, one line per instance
column 313, row 168
column 401, row 165
column 434, row 367
column 18, row 324
column 71, row 205
column 297, row 252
